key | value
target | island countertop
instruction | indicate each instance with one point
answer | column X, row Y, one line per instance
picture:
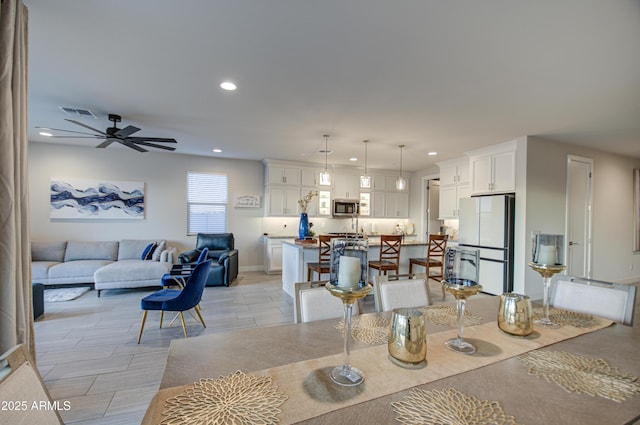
column 295, row 258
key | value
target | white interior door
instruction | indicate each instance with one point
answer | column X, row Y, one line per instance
column 579, row 195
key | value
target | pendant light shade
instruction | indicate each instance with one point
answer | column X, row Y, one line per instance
column 365, row 180
column 401, row 183
column 325, row 177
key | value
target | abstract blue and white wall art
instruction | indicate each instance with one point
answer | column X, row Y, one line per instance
column 96, row 199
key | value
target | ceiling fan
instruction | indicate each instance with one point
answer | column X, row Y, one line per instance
column 118, row 135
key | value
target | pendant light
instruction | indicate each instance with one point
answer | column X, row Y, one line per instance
column 401, row 184
column 365, row 180
column 325, row 177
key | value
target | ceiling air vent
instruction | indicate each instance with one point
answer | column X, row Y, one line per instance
column 77, row 112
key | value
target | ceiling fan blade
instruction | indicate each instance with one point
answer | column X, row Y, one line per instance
column 153, row 145
column 127, row 131
column 88, row 136
column 86, row 126
column 68, row 131
column 131, row 145
column 152, row 139
column 105, row 143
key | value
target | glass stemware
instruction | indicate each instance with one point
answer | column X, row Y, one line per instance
column 346, row 374
column 547, row 272
column 461, row 279
column 348, row 281
column 547, row 259
column 461, row 290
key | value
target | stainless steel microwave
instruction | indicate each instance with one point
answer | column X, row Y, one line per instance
column 345, row 207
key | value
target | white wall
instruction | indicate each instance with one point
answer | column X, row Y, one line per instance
column 165, row 195
column 613, row 258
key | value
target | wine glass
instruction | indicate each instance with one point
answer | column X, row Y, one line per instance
column 348, row 281
column 461, row 280
column 546, row 252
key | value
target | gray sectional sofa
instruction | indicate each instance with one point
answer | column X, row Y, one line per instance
column 106, row 264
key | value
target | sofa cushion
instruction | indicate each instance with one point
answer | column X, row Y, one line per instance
column 48, row 251
column 91, row 250
column 215, row 241
column 78, row 271
column 131, row 249
column 147, row 254
column 40, row 270
column 131, row 270
column 157, row 253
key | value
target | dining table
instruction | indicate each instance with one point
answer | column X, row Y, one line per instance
column 298, row 358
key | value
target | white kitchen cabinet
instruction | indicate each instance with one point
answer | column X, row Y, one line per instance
column 283, row 200
column 397, row 204
column 346, row 186
column 454, row 184
column 281, row 175
column 309, row 177
column 493, row 173
column 455, row 172
column 377, row 204
column 450, row 200
column 273, row 255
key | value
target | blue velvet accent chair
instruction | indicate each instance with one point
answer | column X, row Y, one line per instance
column 224, row 269
column 169, row 279
column 178, row 300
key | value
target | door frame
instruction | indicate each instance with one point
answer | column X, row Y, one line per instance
column 423, row 189
column 589, row 221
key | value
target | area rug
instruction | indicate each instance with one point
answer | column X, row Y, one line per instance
column 64, row 294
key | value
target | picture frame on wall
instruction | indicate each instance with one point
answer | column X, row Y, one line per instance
column 72, row 198
column 247, row 201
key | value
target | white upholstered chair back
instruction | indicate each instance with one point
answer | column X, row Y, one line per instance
column 22, row 385
column 318, row 304
column 604, row 299
column 406, row 291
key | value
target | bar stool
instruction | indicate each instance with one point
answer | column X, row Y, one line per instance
column 389, row 254
column 435, row 258
column 324, row 257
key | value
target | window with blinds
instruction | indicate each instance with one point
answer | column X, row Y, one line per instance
column 207, row 199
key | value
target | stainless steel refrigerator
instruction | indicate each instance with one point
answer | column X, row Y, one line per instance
column 487, row 223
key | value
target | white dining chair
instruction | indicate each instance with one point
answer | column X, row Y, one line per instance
column 612, row 301
column 22, row 388
column 405, row 291
column 318, row 304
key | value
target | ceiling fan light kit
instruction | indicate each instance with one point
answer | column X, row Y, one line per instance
column 117, row 135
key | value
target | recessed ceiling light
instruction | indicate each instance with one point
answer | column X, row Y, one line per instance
column 353, row 158
column 228, row 85
column 432, row 153
column 44, row 133
column 216, row 150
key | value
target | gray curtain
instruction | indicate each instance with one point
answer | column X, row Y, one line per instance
column 16, row 317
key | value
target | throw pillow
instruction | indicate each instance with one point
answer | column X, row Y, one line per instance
column 147, row 254
column 158, row 251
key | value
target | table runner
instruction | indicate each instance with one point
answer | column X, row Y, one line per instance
column 311, row 392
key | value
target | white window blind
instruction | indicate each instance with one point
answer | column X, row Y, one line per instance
column 207, row 199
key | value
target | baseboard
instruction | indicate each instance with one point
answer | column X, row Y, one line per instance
column 251, row 268
column 629, row 281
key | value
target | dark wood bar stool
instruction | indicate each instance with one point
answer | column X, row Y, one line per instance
column 435, row 258
column 389, row 254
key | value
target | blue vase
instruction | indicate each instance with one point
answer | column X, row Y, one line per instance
column 303, row 228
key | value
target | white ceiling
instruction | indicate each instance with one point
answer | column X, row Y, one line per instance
column 448, row 76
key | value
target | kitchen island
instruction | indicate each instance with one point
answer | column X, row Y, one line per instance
column 295, row 258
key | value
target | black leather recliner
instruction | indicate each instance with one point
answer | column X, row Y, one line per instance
column 221, row 250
